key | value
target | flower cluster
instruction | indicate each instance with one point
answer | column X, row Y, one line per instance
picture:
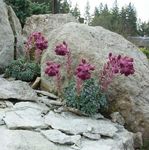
column 62, row 49
column 83, row 70
column 35, row 45
column 126, row 66
column 52, row 69
column 115, row 65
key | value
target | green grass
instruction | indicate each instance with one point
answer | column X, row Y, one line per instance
column 145, row 51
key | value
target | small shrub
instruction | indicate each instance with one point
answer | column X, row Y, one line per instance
column 23, row 70
column 145, row 51
column 90, row 100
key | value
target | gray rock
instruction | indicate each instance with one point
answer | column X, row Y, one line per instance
column 26, row 140
column 45, row 93
column 25, row 116
column 98, row 116
column 128, row 95
column 57, row 136
column 7, row 34
column 7, row 37
column 73, row 124
column 117, row 117
column 107, row 144
column 2, row 115
column 46, row 23
column 138, row 141
column 30, row 140
column 17, row 31
column 33, row 105
column 92, row 136
column 16, row 90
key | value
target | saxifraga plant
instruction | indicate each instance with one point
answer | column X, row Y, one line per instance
column 23, row 70
column 85, row 94
column 90, row 100
column 27, row 69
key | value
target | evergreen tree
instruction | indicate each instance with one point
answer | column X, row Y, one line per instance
column 144, row 29
column 40, row 8
column 122, row 21
column 131, row 20
column 104, row 19
column 87, row 15
column 96, row 12
column 75, row 11
column 115, row 18
column 64, row 7
column 100, row 8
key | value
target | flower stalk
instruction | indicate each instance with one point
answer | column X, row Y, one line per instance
column 63, row 50
column 53, row 70
column 83, row 72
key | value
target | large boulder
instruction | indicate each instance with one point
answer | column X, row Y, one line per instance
column 130, row 95
column 9, row 24
column 46, row 23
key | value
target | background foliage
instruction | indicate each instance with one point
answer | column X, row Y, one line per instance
column 121, row 20
column 145, row 51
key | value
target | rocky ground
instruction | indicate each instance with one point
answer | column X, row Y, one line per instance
column 35, row 120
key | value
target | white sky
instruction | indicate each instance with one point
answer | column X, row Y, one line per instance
column 142, row 6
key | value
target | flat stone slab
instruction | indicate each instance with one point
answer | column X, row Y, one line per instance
column 57, row 136
column 30, row 140
column 17, row 90
column 92, row 136
column 26, row 140
column 73, row 124
column 26, row 115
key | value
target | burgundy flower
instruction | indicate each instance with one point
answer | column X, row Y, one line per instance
column 62, row 49
column 52, row 69
column 115, row 65
column 36, row 42
column 126, row 66
column 83, row 71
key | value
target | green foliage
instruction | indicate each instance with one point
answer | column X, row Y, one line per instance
column 64, row 7
column 75, row 12
column 42, row 8
column 123, row 21
column 22, row 70
column 144, row 28
column 90, row 100
column 145, row 145
column 26, row 8
column 145, row 51
column 22, row 8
